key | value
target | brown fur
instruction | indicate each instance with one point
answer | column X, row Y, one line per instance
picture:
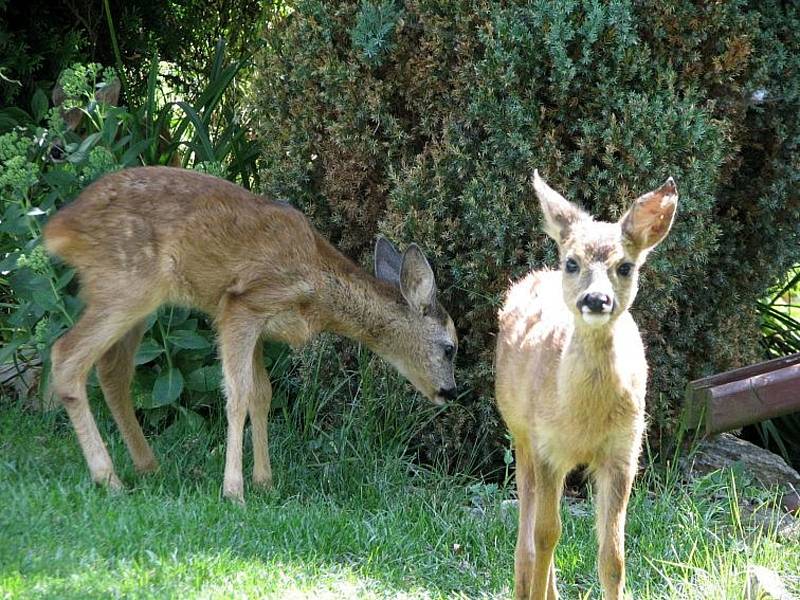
column 571, row 387
column 144, row 237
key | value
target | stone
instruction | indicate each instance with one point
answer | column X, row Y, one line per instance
column 726, row 450
column 765, row 584
column 772, row 520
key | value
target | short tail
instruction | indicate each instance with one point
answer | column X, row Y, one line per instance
column 61, row 238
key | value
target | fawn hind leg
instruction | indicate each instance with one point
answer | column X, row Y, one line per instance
column 115, row 371
column 258, row 409
column 239, row 336
column 73, row 356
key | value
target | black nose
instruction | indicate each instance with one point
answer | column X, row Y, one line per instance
column 448, row 394
column 595, row 302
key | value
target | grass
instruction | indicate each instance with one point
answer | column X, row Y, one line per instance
column 350, row 516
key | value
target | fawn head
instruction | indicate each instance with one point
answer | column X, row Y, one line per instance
column 600, row 261
column 426, row 349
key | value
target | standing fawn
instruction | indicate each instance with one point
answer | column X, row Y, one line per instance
column 571, row 379
column 143, row 237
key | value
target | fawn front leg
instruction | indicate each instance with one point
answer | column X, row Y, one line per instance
column 259, row 413
column 614, row 481
column 523, row 556
column 546, row 530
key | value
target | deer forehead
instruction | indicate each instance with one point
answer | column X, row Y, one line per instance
column 595, row 242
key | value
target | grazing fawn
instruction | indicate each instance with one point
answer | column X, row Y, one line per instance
column 571, row 379
column 143, row 237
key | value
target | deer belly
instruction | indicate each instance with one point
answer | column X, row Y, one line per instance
column 578, row 442
column 290, row 328
column 565, row 450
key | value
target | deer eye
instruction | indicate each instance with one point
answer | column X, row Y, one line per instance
column 625, row 269
column 449, row 351
column 571, row 266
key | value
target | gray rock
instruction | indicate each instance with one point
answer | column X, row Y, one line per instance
column 726, row 450
column 763, row 584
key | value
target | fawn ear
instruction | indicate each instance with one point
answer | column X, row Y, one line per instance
column 559, row 213
column 109, row 93
column 417, row 283
column 387, row 261
column 650, row 218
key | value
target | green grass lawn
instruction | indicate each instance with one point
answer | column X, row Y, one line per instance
column 349, row 517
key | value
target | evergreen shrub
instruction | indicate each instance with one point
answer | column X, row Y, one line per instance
column 424, row 120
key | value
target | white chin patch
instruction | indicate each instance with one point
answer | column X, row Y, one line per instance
column 595, row 319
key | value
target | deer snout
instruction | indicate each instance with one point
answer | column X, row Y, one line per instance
column 449, row 394
column 595, row 302
column 445, row 394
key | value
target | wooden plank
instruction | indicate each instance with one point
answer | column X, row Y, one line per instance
column 722, row 402
column 745, row 372
column 757, row 398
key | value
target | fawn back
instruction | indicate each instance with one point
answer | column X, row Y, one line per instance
column 572, row 375
column 143, row 237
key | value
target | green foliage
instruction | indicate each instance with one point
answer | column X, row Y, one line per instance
column 780, row 323
column 44, row 165
column 375, row 25
column 605, row 99
column 780, row 316
column 39, row 38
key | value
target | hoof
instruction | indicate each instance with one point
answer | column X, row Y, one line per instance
column 234, row 493
column 110, row 482
column 147, row 468
column 262, row 484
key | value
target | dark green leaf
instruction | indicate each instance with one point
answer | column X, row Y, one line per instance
column 205, row 379
column 188, row 340
column 168, row 387
column 148, row 350
column 39, row 105
column 8, row 349
column 201, row 132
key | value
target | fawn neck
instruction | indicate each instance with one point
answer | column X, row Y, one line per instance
column 356, row 305
column 588, row 359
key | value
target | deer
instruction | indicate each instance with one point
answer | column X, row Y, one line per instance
column 571, row 377
column 143, row 237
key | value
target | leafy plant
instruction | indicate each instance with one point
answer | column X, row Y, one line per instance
column 780, row 324
column 44, row 164
column 780, row 316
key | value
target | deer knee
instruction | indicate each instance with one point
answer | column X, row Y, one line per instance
column 58, row 354
column 546, row 536
column 612, row 566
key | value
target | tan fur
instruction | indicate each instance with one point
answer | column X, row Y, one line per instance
column 571, row 388
column 144, row 237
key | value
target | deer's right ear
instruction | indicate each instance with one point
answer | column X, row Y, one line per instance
column 559, row 213
column 388, row 261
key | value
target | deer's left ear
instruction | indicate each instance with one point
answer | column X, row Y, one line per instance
column 650, row 218
column 417, row 283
